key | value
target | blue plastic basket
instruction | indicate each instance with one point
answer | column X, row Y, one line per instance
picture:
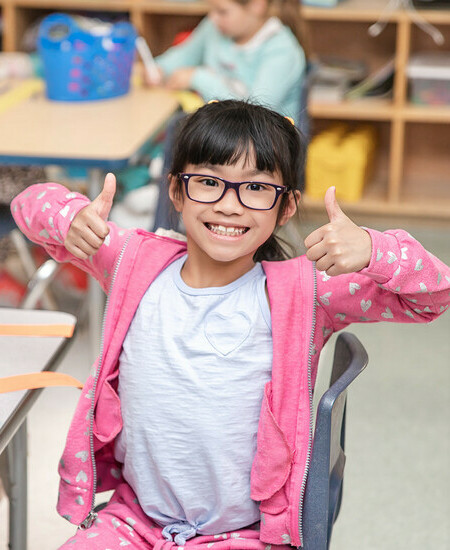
column 85, row 62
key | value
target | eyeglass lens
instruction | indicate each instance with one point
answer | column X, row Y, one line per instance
column 252, row 194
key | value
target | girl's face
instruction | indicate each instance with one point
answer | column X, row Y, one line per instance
column 238, row 22
column 227, row 231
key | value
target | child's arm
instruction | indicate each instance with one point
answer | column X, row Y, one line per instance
column 389, row 277
column 187, row 54
column 70, row 227
column 184, row 66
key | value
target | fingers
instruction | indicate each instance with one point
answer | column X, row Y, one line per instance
column 83, row 245
column 103, row 203
column 314, row 253
column 315, row 237
column 86, row 233
column 333, row 209
column 77, row 251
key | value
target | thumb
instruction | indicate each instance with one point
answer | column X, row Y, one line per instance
column 333, row 209
column 103, row 203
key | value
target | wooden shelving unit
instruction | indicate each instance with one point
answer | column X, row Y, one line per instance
column 412, row 171
column 415, row 138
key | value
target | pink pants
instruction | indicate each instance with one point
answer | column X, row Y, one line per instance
column 122, row 523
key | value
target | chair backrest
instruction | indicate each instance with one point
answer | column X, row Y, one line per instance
column 323, row 493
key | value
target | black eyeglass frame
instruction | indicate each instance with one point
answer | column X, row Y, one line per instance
column 279, row 189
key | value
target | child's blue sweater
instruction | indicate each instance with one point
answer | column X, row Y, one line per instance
column 267, row 69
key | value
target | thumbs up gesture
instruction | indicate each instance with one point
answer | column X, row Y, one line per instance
column 340, row 246
column 89, row 228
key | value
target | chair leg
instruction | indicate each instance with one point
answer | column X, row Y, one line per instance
column 38, row 284
column 17, row 474
column 30, row 267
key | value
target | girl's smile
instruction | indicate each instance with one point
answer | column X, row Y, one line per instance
column 227, row 231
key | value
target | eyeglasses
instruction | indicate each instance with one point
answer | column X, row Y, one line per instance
column 251, row 194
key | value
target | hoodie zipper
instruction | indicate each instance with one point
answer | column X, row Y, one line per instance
column 92, row 516
column 311, row 410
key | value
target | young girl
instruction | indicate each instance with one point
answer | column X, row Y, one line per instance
column 197, row 412
column 240, row 51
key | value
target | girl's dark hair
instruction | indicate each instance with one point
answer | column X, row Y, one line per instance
column 221, row 132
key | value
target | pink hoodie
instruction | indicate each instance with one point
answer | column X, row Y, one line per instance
column 403, row 283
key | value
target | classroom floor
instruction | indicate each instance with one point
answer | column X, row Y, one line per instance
column 398, row 438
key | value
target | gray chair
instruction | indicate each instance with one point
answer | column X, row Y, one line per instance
column 38, row 278
column 323, row 494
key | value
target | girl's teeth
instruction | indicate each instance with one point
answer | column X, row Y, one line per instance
column 222, row 230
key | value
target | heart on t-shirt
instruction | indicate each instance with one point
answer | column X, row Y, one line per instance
column 227, row 332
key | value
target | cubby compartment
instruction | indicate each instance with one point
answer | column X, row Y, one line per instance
column 426, row 167
column 421, row 41
column 376, row 189
column 161, row 29
column 351, row 40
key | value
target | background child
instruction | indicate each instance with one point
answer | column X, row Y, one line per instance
column 240, row 51
column 197, row 413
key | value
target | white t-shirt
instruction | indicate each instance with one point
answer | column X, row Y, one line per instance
column 192, row 373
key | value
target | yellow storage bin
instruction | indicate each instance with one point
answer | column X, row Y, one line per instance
column 340, row 156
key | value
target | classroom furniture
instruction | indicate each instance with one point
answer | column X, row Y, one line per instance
column 38, row 278
column 411, row 174
column 22, row 353
column 412, row 167
column 323, row 493
column 99, row 135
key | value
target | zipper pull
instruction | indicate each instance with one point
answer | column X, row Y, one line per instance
column 92, row 516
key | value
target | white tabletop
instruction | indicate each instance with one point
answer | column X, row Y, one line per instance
column 25, row 354
column 94, row 133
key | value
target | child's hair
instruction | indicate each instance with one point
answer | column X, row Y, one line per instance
column 221, row 132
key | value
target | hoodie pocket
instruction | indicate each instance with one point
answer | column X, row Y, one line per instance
column 108, row 417
column 273, row 460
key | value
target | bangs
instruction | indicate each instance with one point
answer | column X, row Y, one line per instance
column 230, row 140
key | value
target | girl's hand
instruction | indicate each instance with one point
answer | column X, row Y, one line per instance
column 180, row 79
column 89, row 228
column 339, row 246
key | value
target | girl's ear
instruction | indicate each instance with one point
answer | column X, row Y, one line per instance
column 290, row 208
column 175, row 193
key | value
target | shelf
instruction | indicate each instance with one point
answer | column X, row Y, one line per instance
column 351, row 10
column 365, row 109
column 379, row 109
column 426, row 208
column 426, row 113
column 174, row 7
column 370, row 11
column 91, row 5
